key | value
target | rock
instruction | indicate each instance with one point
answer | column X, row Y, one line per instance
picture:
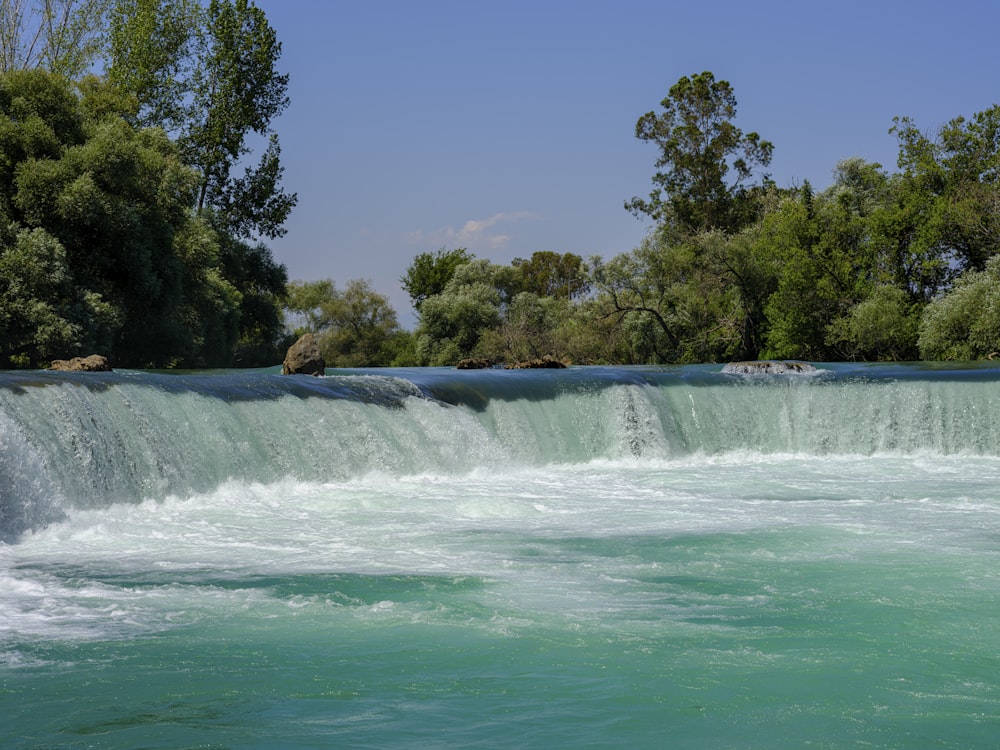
column 546, row 362
column 303, row 358
column 475, row 363
column 768, row 368
column 93, row 363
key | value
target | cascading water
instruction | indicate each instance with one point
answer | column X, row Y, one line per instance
column 592, row 556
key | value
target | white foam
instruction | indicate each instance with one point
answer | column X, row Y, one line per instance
column 137, row 568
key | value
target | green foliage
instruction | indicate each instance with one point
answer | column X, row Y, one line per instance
column 549, row 274
column 237, row 91
column 260, row 282
column 356, row 327
column 831, row 252
column 453, row 322
column 965, row 323
column 125, row 229
column 42, row 313
column 530, row 329
column 882, row 327
column 209, row 310
column 429, row 273
column 304, row 305
column 152, row 284
column 527, row 310
column 208, row 76
column 748, row 273
column 116, row 203
column 151, row 45
column 39, row 117
column 684, row 302
column 699, row 146
column 799, row 309
column 956, row 175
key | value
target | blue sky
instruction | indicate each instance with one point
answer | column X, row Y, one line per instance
column 508, row 127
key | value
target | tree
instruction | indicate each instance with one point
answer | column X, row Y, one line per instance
column 103, row 249
column 453, row 322
column 43, row 314
column 261, row 282
column 882, row 327
column 699, row 145
column 531, row 328
column 208, row 76
column 964, row 324
column 116, row 202
column 356, row 327
column 237, row 92
column 209, row 308
column 429, row 273
column 749, row 274
column 151, row 54
column 39, row 118
column 830, row 254
column 305, row 303
column 953, row 179
column 61, row 36
column 549, row 274
column 670, row 303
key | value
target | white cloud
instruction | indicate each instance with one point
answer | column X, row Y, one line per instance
column 473, row 234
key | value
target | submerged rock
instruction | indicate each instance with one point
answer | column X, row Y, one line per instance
column 303, row 358
column 93, row 363
column 483, row 363
column 475, row 363
column 768, row 368
column 546, row 362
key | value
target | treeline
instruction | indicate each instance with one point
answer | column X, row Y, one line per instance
column 130, row 226
column 878, row 266
column 126, row 227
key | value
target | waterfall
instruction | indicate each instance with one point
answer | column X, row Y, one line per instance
column 90, row 440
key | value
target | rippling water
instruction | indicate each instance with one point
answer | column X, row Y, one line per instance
column 591, row 558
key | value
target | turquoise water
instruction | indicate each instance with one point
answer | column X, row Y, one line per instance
column 588, row 558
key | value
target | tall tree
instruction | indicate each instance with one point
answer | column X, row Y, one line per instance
column 956, row 175
column 699, row 147
column 237, row 92
column 208, row 76
column 151, row 56
column 98, row 233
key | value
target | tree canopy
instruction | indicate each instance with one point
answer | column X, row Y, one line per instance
column 208, row 76
column 699, row 147
column 122, row 226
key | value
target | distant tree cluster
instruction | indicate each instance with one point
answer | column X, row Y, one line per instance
column 878, row 266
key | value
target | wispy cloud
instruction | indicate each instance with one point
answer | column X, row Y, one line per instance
column 474, row 234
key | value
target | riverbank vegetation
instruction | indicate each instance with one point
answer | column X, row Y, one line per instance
column 126, row 226
column 134, row 216
column 879, row 265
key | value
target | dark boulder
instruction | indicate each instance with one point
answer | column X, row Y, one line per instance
column 303, row 358
column 93, row 363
